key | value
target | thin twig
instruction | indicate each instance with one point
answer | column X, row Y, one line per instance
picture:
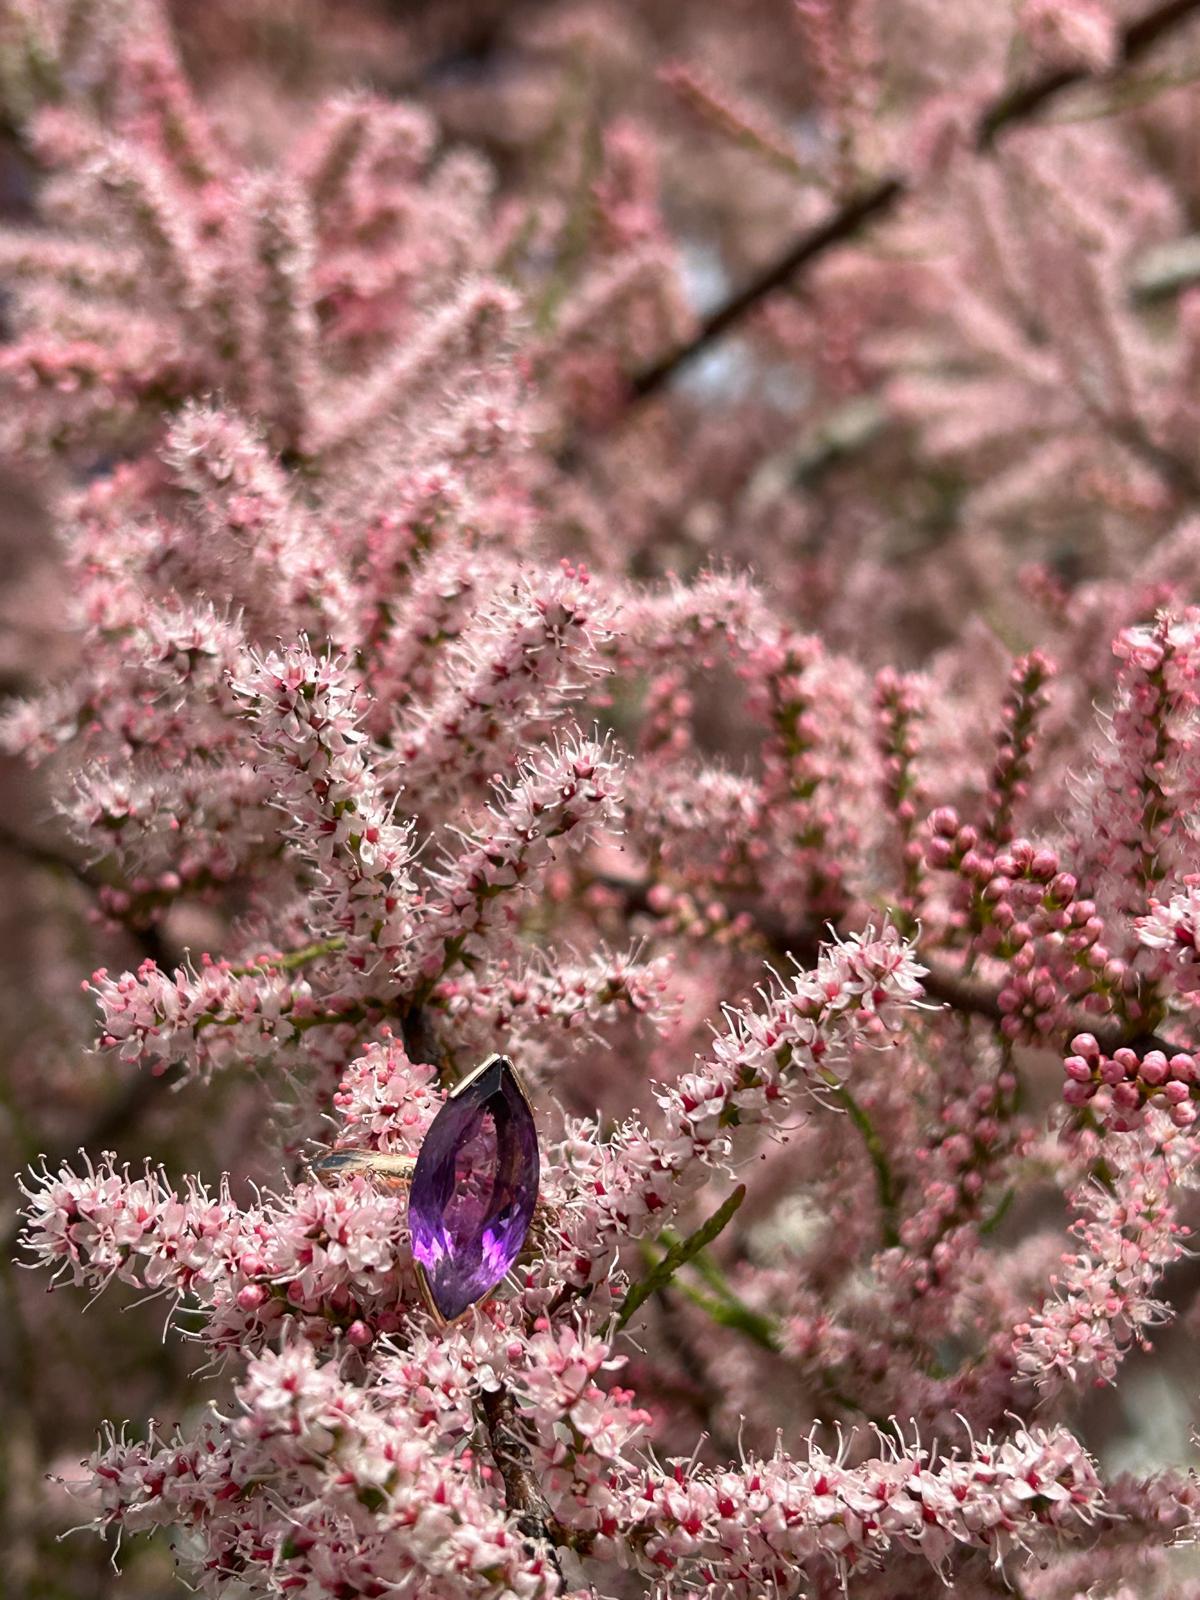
column 54, row 859
column 885, row 1180
column 115, row 1120
column 522, row 1491
column 844, row 224
column 1020, row 102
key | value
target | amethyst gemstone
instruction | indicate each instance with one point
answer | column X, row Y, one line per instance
column 474, row 1188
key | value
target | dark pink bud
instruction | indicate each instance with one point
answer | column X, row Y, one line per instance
column 1183, row 1067
column 1154, row 1068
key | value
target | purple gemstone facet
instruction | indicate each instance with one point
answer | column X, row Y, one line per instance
column 474, row 1188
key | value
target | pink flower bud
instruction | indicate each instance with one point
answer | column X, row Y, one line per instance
column 1154, row 1068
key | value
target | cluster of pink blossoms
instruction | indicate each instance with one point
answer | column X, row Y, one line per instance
column 455, row 664
column 1130, row 1232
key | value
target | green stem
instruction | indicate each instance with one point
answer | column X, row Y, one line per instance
column 295, row 958
column 729, row 1310
column 885, row 1181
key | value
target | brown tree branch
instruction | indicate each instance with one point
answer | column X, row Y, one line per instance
column 843, row 225
column 53, row 859
column 522, row 1492
column 1017, row 104
column 1137, row 37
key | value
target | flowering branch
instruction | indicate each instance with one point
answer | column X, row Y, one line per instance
column 1017, row 105
column 876, row 846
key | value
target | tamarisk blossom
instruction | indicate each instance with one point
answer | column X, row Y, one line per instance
column 1070, row 31
column 1144, row 787
column 1103, row 1300
column 796, row 1038
column 517, row 658
column 736, row 117
column 1170, row 929
column 540, row 1011
column 1122, row 1088
column 566, row 792
column 257, row 542
column 407, row 665
column 814, row 704
column 467, row 330
column 760, row 1524
column 206, row 1017
column 434, row 676
column 253, row 1272
column 272, row 281
column 360, row 1491
column 305, row 719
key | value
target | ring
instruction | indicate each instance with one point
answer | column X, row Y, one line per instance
column 472, row 1187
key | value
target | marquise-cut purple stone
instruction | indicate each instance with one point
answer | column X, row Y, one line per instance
column 474, row 1188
